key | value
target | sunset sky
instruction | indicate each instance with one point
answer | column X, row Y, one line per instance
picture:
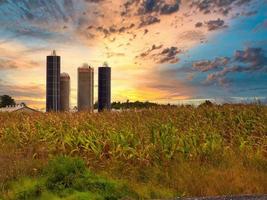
column 165, row 51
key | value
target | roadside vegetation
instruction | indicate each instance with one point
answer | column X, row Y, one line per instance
column 151, row 153
column 69, row 179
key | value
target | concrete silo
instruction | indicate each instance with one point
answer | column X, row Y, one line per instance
column 85, row 88
column 64, row 92
column 53, row 82
column 104, row 88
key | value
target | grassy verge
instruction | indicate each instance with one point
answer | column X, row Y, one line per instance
column 67, row 178
column 184, row 151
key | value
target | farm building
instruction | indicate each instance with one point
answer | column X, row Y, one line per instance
column 18, row 108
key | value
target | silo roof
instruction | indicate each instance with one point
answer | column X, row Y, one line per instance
column 64, row 74
column 85, row 65
column 85, row 68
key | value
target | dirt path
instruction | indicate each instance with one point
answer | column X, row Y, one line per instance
column 246, row 197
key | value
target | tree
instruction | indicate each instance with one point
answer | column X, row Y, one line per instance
column 207, row 103
column 96, row 105
column 6, row 100
column 23, row 104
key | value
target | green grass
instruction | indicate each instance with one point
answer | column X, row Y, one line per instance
column 68, row 178
column 161, row 152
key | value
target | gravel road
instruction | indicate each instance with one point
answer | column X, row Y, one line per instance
column 246, row 197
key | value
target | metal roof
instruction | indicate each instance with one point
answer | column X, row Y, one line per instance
column 16, row 108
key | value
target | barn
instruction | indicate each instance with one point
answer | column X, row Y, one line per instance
column 18, row 108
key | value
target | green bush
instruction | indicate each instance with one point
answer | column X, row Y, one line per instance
column 68, row 178
column 63, row 171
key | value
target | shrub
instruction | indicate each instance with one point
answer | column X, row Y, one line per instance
column 63, row 171
column 68, row 178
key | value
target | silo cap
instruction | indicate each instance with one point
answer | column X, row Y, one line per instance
column 54, row 53
column 105, row 64
column 85, row 65
column 64, row 74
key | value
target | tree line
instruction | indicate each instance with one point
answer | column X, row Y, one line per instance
column 6, row 100
column 118, row 105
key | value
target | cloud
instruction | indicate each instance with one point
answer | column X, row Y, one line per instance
column 151, row 33
column 42, row 18
column 114, row 54
column 164, row 85
column 33, row 32
column 33, row 95
column 147, row 53
column 261, row 26
column 219, row 70
column 244, row 61
column 22, row 91
column 249, row 13
column 49, row 20
column 168, row 55
column 170, row 8
column 85, row 22
column 254, row 57
column 215, row 24
column 212, row 25
column 207, row 65
column 13, row 63
column 40, row 10
column 198, row 24
column 148, row 20
column 7, row 64
column 16, row 56
column 217, row 6
column 149, row 11
column 108, row 31
column 193, row 35
column 159, row 6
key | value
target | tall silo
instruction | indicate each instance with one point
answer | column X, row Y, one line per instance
column 53, row 82
column 64, row 92
column 104, row 88
column 85, row 88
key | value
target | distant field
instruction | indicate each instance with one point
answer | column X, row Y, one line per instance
column 157, row 153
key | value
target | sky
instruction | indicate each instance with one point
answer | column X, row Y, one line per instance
column 164, row 51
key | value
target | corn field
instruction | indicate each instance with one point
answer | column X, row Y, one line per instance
column 184, row 151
